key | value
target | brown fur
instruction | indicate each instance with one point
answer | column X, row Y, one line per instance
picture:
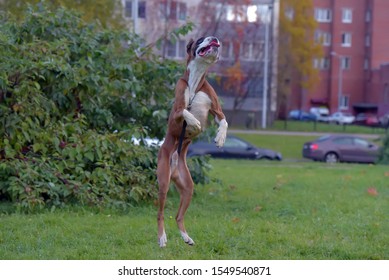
column 172, row 166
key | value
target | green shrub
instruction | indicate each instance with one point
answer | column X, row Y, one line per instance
column 72, row 96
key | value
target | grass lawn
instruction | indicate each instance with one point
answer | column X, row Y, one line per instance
column 261, row 210
column 323, row 127
column 290, row 146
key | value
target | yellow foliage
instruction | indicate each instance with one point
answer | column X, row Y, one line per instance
column 297, row 47
column 108, row 12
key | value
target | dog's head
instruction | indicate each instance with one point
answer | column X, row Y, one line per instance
column 206, row 49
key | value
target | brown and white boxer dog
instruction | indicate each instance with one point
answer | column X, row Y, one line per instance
column 194, row 100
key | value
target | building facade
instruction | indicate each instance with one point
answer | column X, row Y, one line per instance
column 353, row 71
column 246, row 29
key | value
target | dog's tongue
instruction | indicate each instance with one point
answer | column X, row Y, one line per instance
column 213, row 43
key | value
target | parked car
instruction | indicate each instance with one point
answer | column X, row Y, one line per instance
column 150, row 142
column 384, row 121
column 341, row 148
column 367, row 119
column 341, row 118
column 322, row 113
column 234, row 147
column 299, row 115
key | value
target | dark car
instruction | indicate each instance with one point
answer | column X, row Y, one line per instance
column 234, row 147
column 299, row 115
column 367, row 120
column 341, row 148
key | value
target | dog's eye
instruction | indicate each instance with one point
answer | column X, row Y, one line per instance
column 199, row 41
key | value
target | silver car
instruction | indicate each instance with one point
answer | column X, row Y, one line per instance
column 341, row 148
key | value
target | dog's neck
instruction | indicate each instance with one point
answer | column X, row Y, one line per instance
column 196, row 75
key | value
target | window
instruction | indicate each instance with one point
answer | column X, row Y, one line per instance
column 226, row 50
column 322, row 63
column 366, row 64
column 386, row 93
column 345, row 62
column 344, row 102
column 141, row 9
column 245, row 50
column 181, row 48
column 346, row 39
column 361, row 143
column 323, row 15
column 235, row 143
column 182, row 11
column 367, row 40
column 172, row 10
column 322, row 37
column 176, row 49
column 251, row 51
column 368, row 16
column 347, row 16
column 343, row 141
column 256, row 51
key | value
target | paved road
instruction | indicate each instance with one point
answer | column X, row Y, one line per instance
column 273, row 132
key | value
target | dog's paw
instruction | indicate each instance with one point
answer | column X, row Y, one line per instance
column 187, row 239
column 192, row 122
column 162, row 240
column 221, row 133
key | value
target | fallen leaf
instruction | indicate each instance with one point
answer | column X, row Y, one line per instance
column 372, row 191
column 235, row 220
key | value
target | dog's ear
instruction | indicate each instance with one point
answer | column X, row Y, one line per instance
column 189, row 46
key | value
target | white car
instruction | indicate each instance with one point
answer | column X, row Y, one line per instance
column 321, row 113
column 342, row 118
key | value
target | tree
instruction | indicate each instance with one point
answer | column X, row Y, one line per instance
column 72, row 96
column 297, row 48
column 107, row 12
column 232, row 22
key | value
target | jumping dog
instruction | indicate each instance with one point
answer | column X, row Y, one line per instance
column 194, row 100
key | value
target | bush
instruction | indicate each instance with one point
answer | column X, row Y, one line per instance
column 72, row 95
column 384, row 152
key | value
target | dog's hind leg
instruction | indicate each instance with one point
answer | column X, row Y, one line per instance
column 185, row 186
column 163, row 175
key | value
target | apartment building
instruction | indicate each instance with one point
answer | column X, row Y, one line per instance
column 246, row 28
column 355, row 67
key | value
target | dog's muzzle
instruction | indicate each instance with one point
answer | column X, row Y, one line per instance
column 213, row 47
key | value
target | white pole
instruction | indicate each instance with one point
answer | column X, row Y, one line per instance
column 340, row 85
column 135, row 15
column 265, row 70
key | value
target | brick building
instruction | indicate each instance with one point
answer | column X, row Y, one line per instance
column 354, row 71
column 224, row 19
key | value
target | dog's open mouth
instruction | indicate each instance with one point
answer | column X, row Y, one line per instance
column 204, row 50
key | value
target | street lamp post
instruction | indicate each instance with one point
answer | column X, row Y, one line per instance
column 266, row 68
column 340, row 80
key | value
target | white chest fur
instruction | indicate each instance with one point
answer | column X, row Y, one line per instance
column 200, row 103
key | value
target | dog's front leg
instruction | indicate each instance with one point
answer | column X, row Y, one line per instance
column 221, row 132
column 193, row 123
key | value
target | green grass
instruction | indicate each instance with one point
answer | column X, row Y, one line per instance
column 323, row 127
column 262, row 210
column 290, row 146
